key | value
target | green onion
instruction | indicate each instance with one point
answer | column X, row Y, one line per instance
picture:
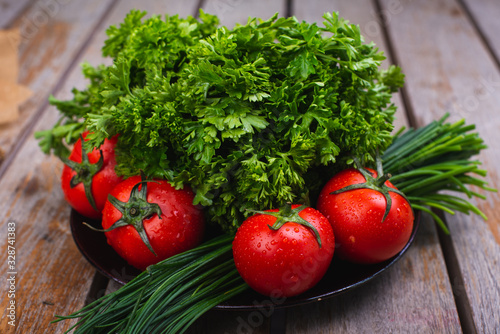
column 435, row 158
column 169, row 296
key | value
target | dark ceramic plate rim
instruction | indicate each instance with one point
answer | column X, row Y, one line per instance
column 95, row 249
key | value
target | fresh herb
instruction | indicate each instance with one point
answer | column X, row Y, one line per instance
column 250, row 117
column 169, row 296
column 432, row 166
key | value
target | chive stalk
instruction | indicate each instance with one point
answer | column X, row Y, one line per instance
column 167, row 297
column 432, row 162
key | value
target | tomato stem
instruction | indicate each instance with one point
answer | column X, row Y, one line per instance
column 374, row 183
column 85, row 172
column 134, row 211
column 286, row 214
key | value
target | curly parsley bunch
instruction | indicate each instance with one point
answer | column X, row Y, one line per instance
column 250, row 118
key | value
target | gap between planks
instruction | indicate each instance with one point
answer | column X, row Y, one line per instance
column 410, row 114
column 479, row 31
column 461, row 299
column 21, row 12
column 457, row 283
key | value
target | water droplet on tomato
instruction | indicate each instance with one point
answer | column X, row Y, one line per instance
column 258, row 245
column 296, row 230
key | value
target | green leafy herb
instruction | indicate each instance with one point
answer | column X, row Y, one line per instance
column 169, row 296
column 432, row 166
column 249, row 117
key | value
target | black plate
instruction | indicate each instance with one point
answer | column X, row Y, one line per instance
column 341, row 277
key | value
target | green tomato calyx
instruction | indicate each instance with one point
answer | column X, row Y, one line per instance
column 374, row 183
column 286, row 214
column 85, row 172
column 134, row 211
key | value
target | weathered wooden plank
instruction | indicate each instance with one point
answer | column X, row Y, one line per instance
column 116, row 16
column 9, row 10
column 415, row 294
column 231, row 12
column 412, row 296
column 450, row 70
column 49, row 41
column 51, row 276
column 485, row 14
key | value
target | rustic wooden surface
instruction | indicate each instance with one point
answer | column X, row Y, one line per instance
column 449, row 51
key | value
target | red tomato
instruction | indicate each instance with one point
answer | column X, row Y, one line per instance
column 150, row 221
column 361, row 233
column 286, row 261
column 86, row 184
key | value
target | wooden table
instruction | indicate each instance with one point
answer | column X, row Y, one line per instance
column 450, row 53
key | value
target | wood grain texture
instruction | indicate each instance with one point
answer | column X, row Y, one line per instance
column 93, row 55
column 9, row 10
column 461, row 78
column 52, row 276
column 231, row 12
column 415, row 294
column 485, row 14
column 50, row 41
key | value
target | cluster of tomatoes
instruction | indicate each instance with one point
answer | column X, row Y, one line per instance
column 360, row 216
column 145, row 221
